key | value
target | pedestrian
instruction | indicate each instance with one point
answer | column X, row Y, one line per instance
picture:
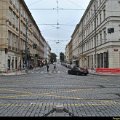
column 47, row 68
column 55, row 68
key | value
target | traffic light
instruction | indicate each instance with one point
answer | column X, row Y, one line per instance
column 110, row 30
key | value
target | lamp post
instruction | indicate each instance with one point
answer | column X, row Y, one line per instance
column 26, row 49
column 95, row 36
column 82, row 43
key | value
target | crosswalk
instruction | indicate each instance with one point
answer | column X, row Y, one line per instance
column 45, row 72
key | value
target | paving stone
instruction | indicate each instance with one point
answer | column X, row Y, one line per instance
column 35, row 94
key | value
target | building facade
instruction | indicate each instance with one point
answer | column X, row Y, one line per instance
column 67, row 54
column 98, row 35
column 17, row 29
column 47, row 52
column 75, row 43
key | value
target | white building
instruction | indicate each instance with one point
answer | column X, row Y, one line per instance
column 94, row 44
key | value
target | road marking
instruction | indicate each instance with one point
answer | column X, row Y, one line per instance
column 65, row 104
column 27, row 94
column 44, row 72
column 16, row 91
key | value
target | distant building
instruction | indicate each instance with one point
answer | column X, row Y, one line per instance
column 47, row 52
column 96, row 38
column 67, row 54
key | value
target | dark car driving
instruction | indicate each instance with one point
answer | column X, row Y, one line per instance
column 78, row 71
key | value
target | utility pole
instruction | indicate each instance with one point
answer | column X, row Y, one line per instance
column 26, row 49
column 82, row 42
column 19, row 33
column 95, row 60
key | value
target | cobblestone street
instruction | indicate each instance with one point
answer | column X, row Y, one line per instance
column 38, row 92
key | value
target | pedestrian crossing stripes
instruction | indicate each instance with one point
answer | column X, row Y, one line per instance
column 45, row 72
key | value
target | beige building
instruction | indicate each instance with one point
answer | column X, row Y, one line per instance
column 96, row 39
column 16, row 27
column 47, row 52
column 75, row 43
column 67, row 54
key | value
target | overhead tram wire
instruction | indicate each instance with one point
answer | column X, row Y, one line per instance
column 35, row 2
column 64, row 9
column 57, row 13
column 55, row 9
column 72, row 2
column 58, row 39
column 58, row 24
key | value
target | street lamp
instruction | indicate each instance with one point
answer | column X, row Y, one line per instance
column 95, row 36
column 26, row 46
column 26, row 49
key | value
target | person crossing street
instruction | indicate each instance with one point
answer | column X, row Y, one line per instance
column 55, row 69
column 47, row 67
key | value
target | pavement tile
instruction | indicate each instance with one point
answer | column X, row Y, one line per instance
column 84, row 96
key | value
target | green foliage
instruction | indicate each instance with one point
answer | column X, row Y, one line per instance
column 53, row 58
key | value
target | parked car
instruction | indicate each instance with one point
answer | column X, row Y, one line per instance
column 69, row 66
column 78, row 71
column 66, row 65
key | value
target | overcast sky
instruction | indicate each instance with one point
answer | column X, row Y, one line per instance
column 57, row 35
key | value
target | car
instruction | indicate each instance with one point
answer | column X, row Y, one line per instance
column 69, row 66
column 78, row 71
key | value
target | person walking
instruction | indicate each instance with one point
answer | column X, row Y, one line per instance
column 55, row 68
column 47, row 68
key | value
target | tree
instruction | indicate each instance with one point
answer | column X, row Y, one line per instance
column 62, row 57
column 53, row 58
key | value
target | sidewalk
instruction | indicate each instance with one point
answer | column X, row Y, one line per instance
column 93, row 72
column 13, row 73
column 22, row 72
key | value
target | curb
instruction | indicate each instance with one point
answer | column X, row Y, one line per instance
column 17, row 73
column 104, row 74
column 13, row 74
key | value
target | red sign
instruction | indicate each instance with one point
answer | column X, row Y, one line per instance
column 108, row 70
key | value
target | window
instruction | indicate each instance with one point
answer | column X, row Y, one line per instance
column 97, row 40
column 100, row 37
column 9, row 38
column 104, row 14
column 10, row 15
column 100, row 18
column 92, row 43
column 106, row 59
column 12, row 62
column 105, row 39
